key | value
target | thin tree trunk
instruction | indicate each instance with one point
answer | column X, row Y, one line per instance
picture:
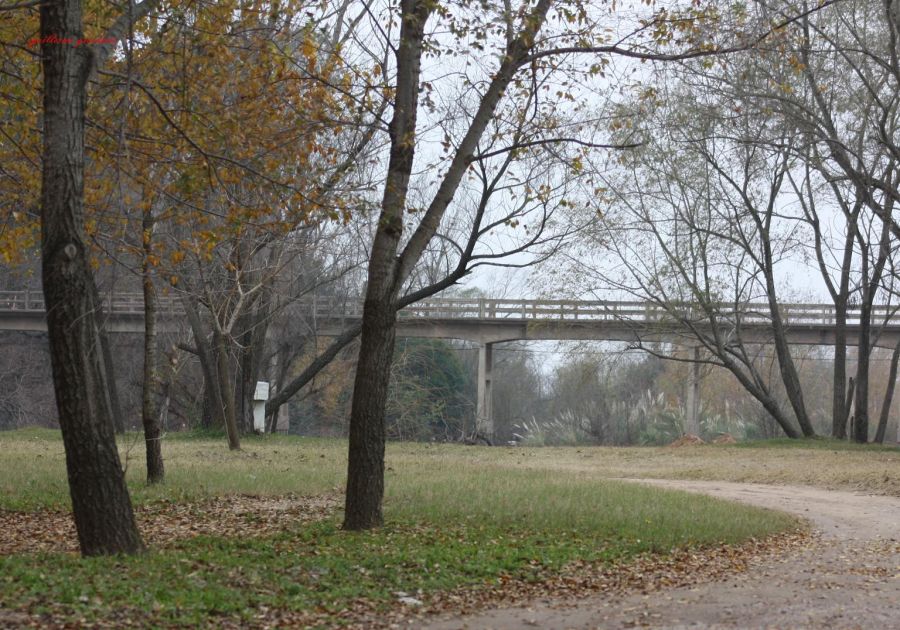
column 851, row 388
column 888, row 396
column 213, row 412
column 864, row 347
column 101, row 505
column 861, row 414
column 790, row 378
column 226, row 387
column 839, row 402
column 150, row 392
column 112, row 395
column 387, row 270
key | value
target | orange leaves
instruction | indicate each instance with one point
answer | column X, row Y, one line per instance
column 218, row 124
column 308, row 50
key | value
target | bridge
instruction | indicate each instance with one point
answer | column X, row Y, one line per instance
column 488, row 321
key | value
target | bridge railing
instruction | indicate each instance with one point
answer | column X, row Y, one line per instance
column 21, row 301
column 118, row 303
column 330, row 308
column 622, row 311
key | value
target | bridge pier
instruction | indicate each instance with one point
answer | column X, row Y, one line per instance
column 484, row 415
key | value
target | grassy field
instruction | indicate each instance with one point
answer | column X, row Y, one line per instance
column 457, row 517
column 32, row 467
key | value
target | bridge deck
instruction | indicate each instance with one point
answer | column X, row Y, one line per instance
column 491, row 320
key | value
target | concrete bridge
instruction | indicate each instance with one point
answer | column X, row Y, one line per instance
column 488, row 321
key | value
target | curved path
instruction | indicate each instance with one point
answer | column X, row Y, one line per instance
column 849, row 579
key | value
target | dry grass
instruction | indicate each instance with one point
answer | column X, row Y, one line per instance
column 823, row 464
column 33, row 465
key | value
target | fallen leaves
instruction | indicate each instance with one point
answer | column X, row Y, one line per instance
column 687, row 440
column 165, row 523
column 240, row 517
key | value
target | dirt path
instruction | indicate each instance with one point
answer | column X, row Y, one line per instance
column 850, row 579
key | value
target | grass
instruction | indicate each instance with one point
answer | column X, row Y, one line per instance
column 457, row 516
column 32, row 468
column 820, row 463
column 825, row 443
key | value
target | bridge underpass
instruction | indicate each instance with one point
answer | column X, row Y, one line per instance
column 486, row 322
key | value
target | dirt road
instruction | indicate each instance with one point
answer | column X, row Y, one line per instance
column 850, row 579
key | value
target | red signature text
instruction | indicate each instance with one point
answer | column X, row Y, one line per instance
column 70, row 41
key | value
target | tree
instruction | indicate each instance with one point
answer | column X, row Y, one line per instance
column 687, row 227
column 102, row 508
column 393, row 257
column 832, row 77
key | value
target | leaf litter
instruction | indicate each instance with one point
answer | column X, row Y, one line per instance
column 164, row 523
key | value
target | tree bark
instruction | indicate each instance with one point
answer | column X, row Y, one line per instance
column 888, row 396
column 860, row 426
column 150, row 391
column 213, row 412
column 101, row 505
column 864, row 345
column 365, row 472
column 226, row 389
column 112, row 395
column 839, row 401
column 788, row 370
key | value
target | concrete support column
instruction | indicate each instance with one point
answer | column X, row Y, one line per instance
column 484, row 418
column 692, row 397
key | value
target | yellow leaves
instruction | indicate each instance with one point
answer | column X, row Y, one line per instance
column 308, row 50
column 249, row 119
column 577, row 165
column 795, row 63
column 17, row 239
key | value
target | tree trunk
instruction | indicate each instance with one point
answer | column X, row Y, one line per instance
column 150, row 392
column 792, row 386
column 254, row 324
column 213, row 412
column 861, row 408
column 888, row 396
column 864, row 347
column 112, row 395
column 101, row 505
column 226, row 390
column 839, row 401
column 365, row 471
column 848, row 407
column 209, row 416
column 365, row 474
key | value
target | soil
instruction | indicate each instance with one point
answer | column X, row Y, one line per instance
column 850, row 577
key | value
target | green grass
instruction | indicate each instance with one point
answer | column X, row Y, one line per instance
column 32, row 468
column 457, row 516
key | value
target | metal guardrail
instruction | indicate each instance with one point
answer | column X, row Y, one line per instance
column 505, row 310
